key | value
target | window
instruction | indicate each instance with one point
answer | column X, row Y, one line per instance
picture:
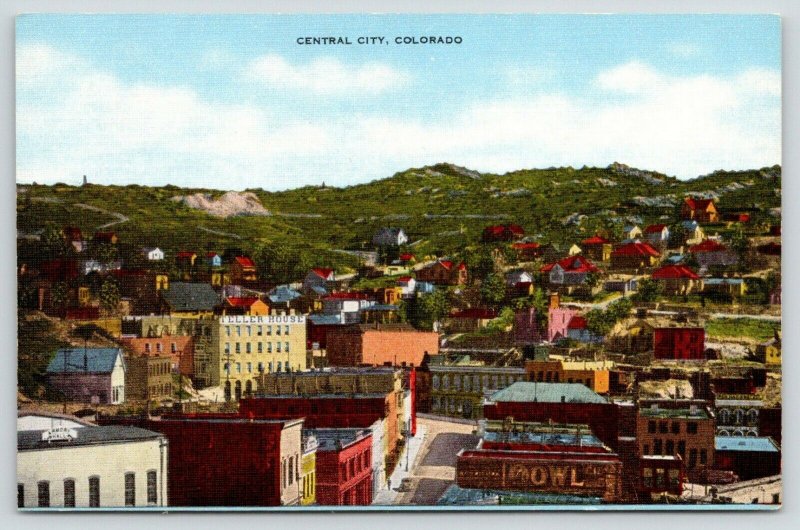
column 691, row 427
column 260, row 330
column 227, row 368
column 278, row 347
column 227, row 331
column 286, row 330
column 651, row 426
column 247, row 348
column 270, row 367
column 647, row 477
column 269, row 330
column 20, row 495
column 147, row 347
column 435, row 382
column 44, row 494
column 662, row 427
column 660, row 477
column 260, row 367
column 130, row 489
column 269, row 347
column 238, row 348
column 674, row 477
column 646, row 449
column 703, row 456
column 158, row 347
column 279, row 366
column 670, row 448
column 249, row 368
column 238, row 331
column 676, row 427
column 249, row 331
column 692, row 458
column 238, row 368
column 682, row 449
column 286, row 347
column 278, row 329
column 152, row 484
column 657, row 447
column 69, row 493
column 227, row 347
column 260, row 347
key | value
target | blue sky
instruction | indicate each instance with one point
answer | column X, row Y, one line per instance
column 235, row 102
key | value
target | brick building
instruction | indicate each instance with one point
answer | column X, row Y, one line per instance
column 180, row 349
column 240, row 462
column 748, row 457
column 344, row 467
column 677, row 427
column 593, row 374
column 541, row 458
column 380, row 345
column 679, row 343
column 149, row 377
column 557, row 402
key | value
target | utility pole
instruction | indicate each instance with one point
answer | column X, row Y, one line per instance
column 228, row 390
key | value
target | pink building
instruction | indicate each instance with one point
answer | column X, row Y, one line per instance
column 558, row 322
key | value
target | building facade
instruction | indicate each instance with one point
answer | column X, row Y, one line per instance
column 92, row 467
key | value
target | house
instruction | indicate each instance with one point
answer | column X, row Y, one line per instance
column 149, row 377
column 657, row 235
column 574, row 250
column 408, row 286
column 153, row 254
column 621, row 283
column 724, row 288
column 319, row 281
column 87, row 374
column 701, row 210
column 594, row 374
column 213, row 260
column 634, row 256
column 185, row 259
column 74, row 237
column 570, row 271
column 693, row 233
column 380, row 345
column 107, row 238
column 769, row 352
column 243, row 270
column 631, row 232
column 578, row 330
column 443, row 272
column 244, row 305
column 406, row 258
column 597, row 248
column 283, row 295
column 469, row 320
column 188, row 299
column 344, row 467
column 526, row 328
column 346, row 305
column 711, row 253
column 558, row 322
column 389, row 237
column 770, row 249
column 750, row 457
column 507, row 232
column 518, row 276
column 679, row 343
column 677, row 279
column 527, row 251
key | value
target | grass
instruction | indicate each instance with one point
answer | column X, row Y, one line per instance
column 741, row 327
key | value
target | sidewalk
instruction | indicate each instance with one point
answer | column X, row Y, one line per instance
column 389, row 496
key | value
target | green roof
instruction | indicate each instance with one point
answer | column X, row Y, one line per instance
column 548, row 393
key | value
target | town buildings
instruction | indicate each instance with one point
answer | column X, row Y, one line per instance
column 344, row 467
column 149, row 377
column 679, row 343
column 92, row 467
column 380, row 345
column 443, row 272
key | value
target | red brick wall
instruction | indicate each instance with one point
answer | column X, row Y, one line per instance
column 679, row 343
column 220, row 463
column 398, row 347
column 335, row 485
column 183, row 357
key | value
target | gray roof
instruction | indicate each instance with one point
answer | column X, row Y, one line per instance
column 283, row 294
column 547, row 393
column 328, row 438
column 761, row 444
column 29, row 440
column 98, row 360
column 325, row 320
column 184, row 296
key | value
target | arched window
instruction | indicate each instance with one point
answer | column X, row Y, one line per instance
column 435, row 382
column 752, row 417
column 724, row 416
column 739, row 416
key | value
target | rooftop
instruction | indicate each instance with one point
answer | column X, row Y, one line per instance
column 547, row 393
column 660, row 412
column 31, row 440
column 91, row 360
column 761, row 444
column 336, row 439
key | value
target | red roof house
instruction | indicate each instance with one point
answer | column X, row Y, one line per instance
column 634, row 256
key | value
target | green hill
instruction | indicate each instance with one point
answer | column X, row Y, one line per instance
column 444, row 207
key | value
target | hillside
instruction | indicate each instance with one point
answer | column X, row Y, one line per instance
column 445, row 207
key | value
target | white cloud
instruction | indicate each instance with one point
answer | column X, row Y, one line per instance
column 94, row 123
column 325, row 75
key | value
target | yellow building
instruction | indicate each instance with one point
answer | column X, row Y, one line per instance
column 770, row 352
column 593, row 374
column 308, row 471
column 239, row 348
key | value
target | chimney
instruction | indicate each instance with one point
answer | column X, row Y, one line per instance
column 693, row 410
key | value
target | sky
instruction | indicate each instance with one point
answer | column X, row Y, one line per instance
column 234, row 102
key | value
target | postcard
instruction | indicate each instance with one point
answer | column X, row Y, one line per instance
column 398, row 262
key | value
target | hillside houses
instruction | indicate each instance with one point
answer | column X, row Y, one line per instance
column 701, row 210
column 443, row 272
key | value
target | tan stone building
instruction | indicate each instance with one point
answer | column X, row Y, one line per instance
column 149, row 377
column 233, row 351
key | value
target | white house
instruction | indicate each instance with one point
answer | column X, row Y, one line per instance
column 319, row 280
column 153, row 253
column 89, row 374
column 390, row 237
column 97, row 467
column 408, row 286
column 520, row 276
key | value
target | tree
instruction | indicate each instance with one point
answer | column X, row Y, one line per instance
column 281, row 264
column 493, row 289
column 479, row 263
column 58, row 295
column 52, row 240
column 109, row 295
column 648, row 291
column 105, row 252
